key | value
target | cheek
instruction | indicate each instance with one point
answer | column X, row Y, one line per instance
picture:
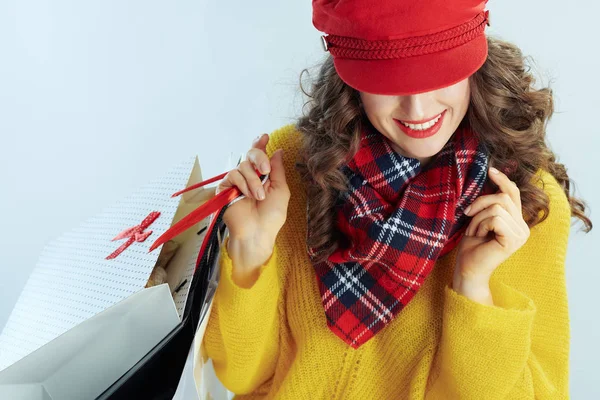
column 378, row 106
column 458, row 96
column 379, row 109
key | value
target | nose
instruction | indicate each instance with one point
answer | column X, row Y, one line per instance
column 414, row 107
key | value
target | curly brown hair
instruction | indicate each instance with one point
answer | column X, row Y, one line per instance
column 503, row 101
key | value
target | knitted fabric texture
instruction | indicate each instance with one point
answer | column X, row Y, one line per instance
column 271, row 341
column 396, row 219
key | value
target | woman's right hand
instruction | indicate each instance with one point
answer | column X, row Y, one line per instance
column 254, row 223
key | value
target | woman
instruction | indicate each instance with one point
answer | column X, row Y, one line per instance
column 384, row 258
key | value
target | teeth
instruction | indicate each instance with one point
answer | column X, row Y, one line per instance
column 421, row 127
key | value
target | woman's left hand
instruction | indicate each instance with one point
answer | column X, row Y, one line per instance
column 496, row 231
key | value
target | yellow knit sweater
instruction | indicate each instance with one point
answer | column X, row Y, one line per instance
column 272, row 340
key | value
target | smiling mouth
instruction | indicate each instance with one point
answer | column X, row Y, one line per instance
column 421, row 131
column 422, row 124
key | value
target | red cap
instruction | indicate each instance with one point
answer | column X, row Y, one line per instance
column 401, row 47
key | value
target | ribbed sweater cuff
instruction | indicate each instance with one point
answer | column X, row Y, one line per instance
column 265, row 283
column 480, row 341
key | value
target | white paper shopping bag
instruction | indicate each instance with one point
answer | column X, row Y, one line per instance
column 87, row 286
column 185, row 377
column 84, row 361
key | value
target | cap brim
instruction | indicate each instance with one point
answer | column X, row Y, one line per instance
column 411, row 75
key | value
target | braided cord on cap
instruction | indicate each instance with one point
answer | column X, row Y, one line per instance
column 348, row 47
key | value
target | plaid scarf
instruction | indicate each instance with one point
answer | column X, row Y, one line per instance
column 395, row 220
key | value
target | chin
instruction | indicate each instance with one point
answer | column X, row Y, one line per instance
column 424, row 148
column 418, row 147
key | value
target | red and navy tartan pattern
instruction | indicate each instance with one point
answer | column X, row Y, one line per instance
column 396, row 219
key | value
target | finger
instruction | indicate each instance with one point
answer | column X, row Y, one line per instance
column 259, row 159
column 277, row 175
column 502, row 231
column 506, row 186
column 238, row 180
column 486, row 201
column 260, row 142
column 493, row 210
column 252, row 179
column 267, row 185
column 234, row 178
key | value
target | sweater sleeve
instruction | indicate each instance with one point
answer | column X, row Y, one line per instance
column 242, row 334
column 519, row 347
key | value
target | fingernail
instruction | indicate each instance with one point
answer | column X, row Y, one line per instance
column 494, row 170
column 467, row 210
column 260, row 193
column 264, row 167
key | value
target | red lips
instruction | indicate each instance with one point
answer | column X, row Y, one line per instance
column 421, row 134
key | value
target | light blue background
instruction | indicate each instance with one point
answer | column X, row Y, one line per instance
column 97, row 98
